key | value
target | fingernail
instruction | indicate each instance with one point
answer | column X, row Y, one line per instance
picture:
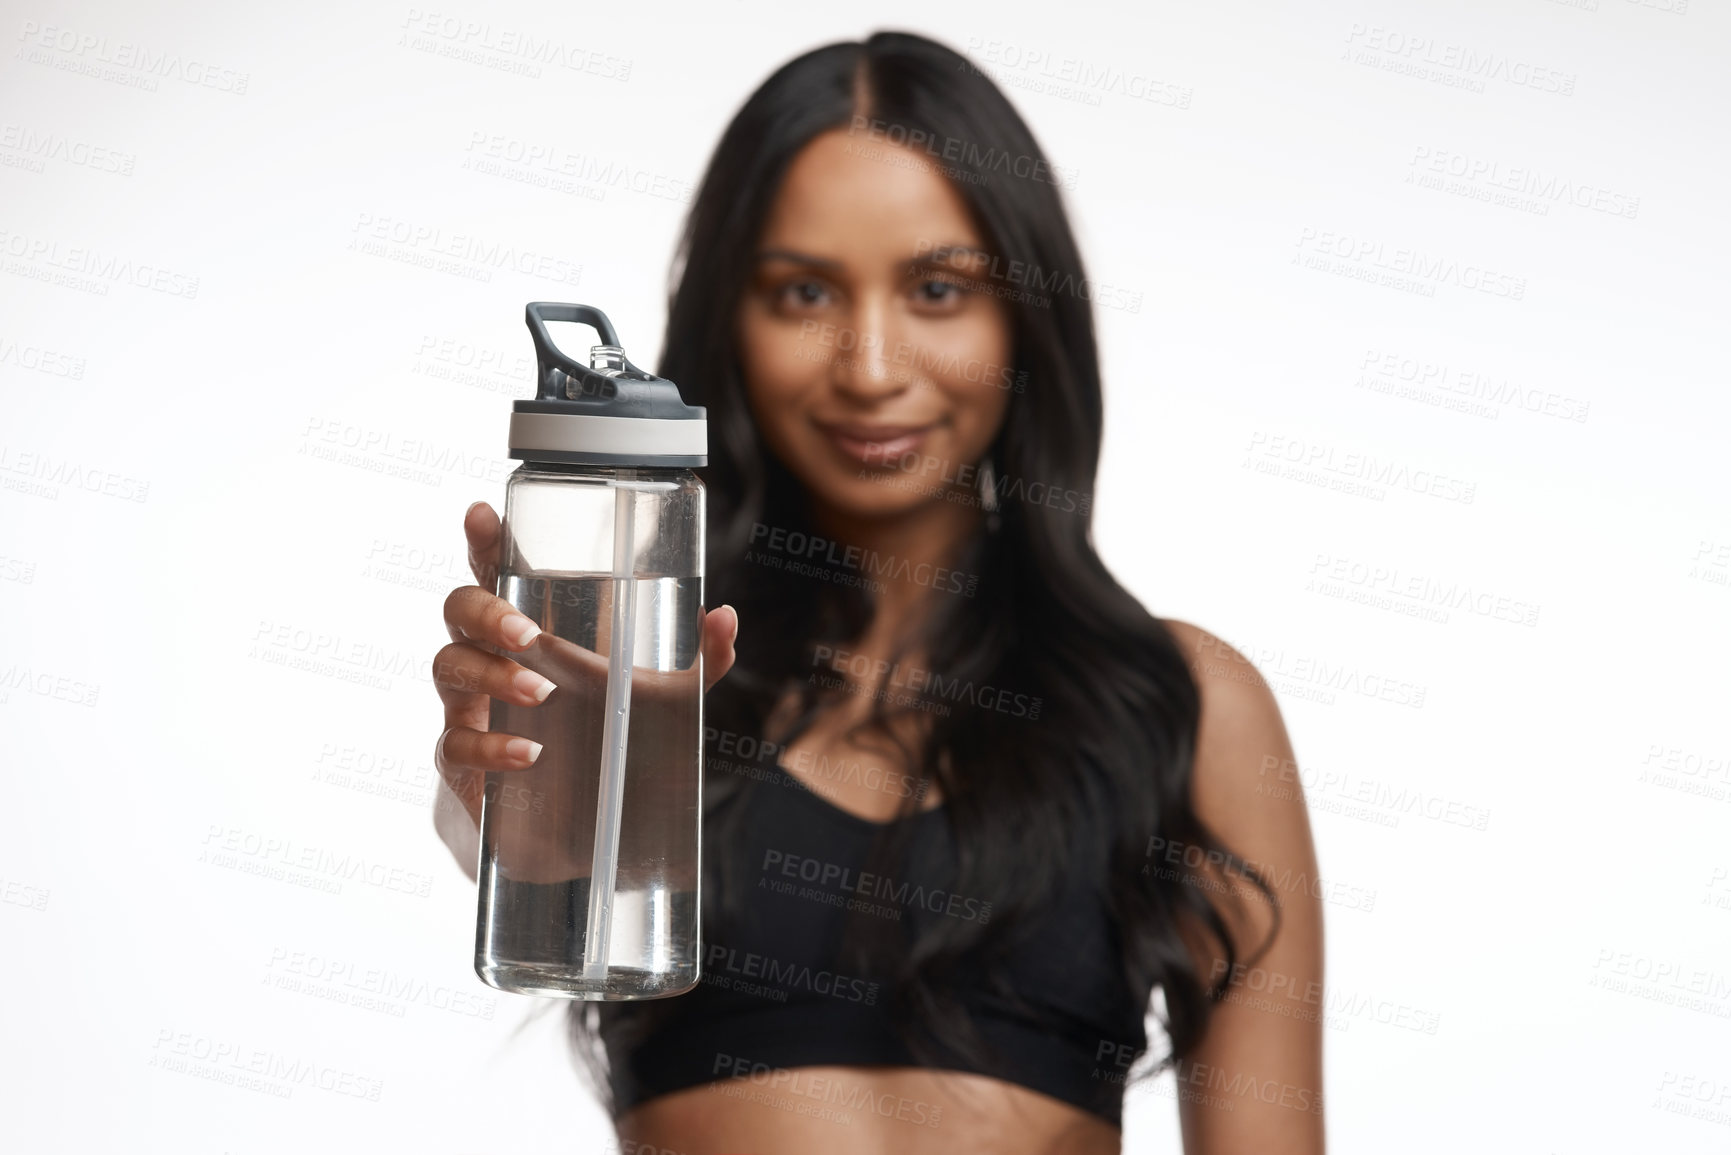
column 523, row 750
column 533, row 684
column 518, row 630
column 735, row 620
column 471, row 509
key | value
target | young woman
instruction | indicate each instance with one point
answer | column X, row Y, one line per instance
column 968, row 805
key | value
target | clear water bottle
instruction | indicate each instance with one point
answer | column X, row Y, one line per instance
column 589, row 867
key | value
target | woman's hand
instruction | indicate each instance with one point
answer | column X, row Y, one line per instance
column 474, row 669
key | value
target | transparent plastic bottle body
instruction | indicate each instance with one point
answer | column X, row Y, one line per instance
column 561, row 565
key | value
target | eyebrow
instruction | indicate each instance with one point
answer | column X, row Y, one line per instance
column 941, row 255
column 944, row 254
column 796, row 258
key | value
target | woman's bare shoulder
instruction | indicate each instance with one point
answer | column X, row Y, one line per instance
column 1213, row 662
column 1243, row 737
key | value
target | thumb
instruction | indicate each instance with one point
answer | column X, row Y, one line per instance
column 720, row 630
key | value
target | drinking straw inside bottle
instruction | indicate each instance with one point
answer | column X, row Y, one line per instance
column 605, row 865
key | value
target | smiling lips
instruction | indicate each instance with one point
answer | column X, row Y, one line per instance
column 875, row 444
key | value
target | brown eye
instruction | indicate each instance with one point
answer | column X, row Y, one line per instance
column 803, row 294
column 938, row 293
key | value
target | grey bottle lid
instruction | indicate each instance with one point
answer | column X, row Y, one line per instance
column 608, row 412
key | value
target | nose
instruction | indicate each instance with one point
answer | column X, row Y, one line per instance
column 869, row 373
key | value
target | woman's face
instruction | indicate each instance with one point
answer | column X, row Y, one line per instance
column 872, row 369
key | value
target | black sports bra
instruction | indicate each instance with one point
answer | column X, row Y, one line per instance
column 771, row 996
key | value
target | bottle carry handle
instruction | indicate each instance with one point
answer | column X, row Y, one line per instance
column 553, row 366
column 608, row 386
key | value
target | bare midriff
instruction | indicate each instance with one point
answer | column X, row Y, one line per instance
column 863, row 1111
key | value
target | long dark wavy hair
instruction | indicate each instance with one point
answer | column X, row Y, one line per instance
column 1116, row 735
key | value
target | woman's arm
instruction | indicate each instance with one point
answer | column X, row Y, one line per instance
column 1255, row 1082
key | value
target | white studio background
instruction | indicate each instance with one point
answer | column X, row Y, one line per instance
column 1412, row 297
